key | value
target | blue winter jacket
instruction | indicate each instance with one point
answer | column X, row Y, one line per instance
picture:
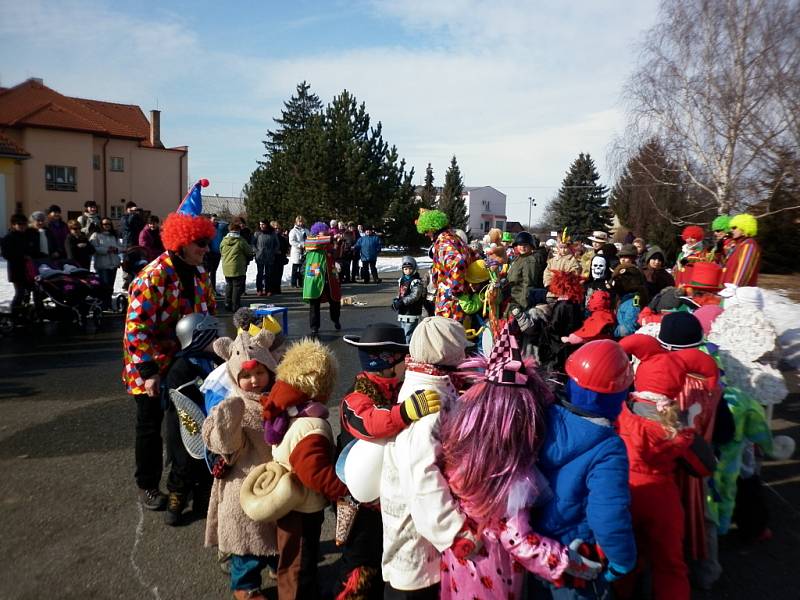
column 627, row 315
column 586, row 466
column 222, row 231
column 369, row 246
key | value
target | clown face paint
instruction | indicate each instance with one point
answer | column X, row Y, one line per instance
column 599, row 267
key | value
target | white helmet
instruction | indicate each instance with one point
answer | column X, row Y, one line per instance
column 197, row 330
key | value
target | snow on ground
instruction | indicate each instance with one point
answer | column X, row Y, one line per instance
column 782, row 312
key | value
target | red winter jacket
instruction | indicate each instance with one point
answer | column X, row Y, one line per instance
column 376, row 417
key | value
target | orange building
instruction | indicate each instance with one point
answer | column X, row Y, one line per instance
column 56, row 149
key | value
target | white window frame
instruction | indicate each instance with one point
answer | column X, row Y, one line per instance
column 60, row 178
column 117, row 163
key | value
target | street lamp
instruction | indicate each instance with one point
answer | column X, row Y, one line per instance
column 531, row 204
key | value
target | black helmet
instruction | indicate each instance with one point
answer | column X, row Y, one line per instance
column 523, row 237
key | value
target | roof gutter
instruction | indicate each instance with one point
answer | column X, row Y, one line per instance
column 105, row 178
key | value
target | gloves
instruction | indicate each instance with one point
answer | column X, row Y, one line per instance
column 419, row 404
column 522, row 318
column 579, row 566
column 614, row 572
column 467, row 541
column 396, row 303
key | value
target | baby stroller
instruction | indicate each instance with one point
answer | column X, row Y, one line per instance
column 68, row 295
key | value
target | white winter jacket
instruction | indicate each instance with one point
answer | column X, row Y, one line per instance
column 420, row 516
column 297, row 236
column 105, row 257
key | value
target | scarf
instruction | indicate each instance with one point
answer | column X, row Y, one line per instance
column 277, row 426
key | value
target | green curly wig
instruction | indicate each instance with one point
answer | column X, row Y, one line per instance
column 432, row 220
column 721, row 223
column 745, row 223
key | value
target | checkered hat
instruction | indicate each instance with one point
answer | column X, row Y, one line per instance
column 505, row 361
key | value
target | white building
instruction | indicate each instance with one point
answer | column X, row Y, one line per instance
column 486, row 208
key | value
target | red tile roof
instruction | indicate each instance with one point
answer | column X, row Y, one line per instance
column 9, row 147
column 33, row 104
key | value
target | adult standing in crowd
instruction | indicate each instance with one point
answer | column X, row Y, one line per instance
column 213, row 256
column 174, row 285
column 281, row 258
column 236, row 253
column 131, row 225
column 90, row 219
column 655, row 274
column 150, row 238
column 58, row 228
column 355, row 234
column 17, row 249
column 266, row 247
column 44, row 244
column 368, row 247
column 79, row 249
column 598, row 240
column 346, row 241
column 641, row 252
column 107, row 257
column 744, row 261
column 297, row 239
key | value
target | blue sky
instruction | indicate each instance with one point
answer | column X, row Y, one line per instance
column 515, row 89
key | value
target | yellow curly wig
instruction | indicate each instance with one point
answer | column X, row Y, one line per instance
column 310, row 367
column 179, row 230
column 745, row 223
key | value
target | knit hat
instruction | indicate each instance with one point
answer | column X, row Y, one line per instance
column 751, row 296
column 180, row 230
column 431, row 220
column 438, row 341
column 680, row 330
column 505, row 361
column 745, row 223
column 721, row 223
column 381, row 346
column 240, row 353
column 38, row 215
column 694, row 232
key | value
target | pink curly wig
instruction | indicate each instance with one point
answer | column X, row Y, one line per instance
column 490, row 437
column 180, row 230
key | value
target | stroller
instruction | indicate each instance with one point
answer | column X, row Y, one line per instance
column 70, row 294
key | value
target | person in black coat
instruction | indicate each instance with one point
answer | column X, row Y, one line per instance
column 79, row 249
column 281, row 258
column 131, row 225
column 17, row 249
column 44, row 245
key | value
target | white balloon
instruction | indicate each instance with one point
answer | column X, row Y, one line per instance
column 362, row 470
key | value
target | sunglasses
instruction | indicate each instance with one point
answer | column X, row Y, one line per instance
column 202, row 243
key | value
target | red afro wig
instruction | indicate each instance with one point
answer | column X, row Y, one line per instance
column 567, row 285
column 179, row 230
column 693, row 231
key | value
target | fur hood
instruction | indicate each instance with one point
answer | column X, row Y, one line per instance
column 309, row 367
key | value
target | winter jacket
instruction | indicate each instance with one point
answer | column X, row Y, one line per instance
column 89, row 223
column 236, row 253
column 420, row 515
column 222, row 231
column 560, row 263
column 16, row 248
column 150, row 240
column 657, row 280
column 369, row 246
column 627, row 315
column 235, row 431
column 108, row 251
column 526, row 273
column 158, row 299
column 130, row 226
column 371, row 411
column 79, row 250
column 297, row 238
column 411, row 294
column 60, row 232
column 41, row 238
column 586, row 465
column 265, row 246
column 743, row 263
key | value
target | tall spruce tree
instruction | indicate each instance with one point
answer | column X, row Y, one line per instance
column 581, row 203
column 428, row 193
column 451, row 201
column 399, row 223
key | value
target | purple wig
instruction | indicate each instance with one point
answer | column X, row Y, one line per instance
column 319, row 228
column 490, row 437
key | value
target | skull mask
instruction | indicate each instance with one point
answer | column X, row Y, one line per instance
column 599, row 267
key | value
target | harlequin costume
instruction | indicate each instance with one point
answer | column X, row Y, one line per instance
column 744, row 261
column 655, row 454
column 295, row 423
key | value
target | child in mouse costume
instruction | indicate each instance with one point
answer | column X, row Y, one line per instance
column 295, row 423
column 233, row 429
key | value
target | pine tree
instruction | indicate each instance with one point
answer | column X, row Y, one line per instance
column 451, row 201
column 581, row 202
column 399, row 224
column 428, row 193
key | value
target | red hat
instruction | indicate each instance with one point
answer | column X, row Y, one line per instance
column 599, row 300
column 693, row 231
column 600, row 366
column 665, row 374
column 703, row 276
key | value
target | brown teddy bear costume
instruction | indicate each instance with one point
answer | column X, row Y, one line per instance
column 234, row 429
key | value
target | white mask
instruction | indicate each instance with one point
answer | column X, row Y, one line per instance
column 599, row 265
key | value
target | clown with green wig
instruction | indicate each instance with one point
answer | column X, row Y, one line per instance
column 723, row 241
column 744, row 261
column 451, row 257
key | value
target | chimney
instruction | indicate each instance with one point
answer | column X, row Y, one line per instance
column 155, row 129
column 38, row 80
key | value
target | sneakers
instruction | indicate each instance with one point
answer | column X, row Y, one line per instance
column 248, row 595
column 175, row 504
column 152, row 499
column 224, row 561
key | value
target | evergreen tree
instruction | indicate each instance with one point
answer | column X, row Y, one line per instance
column 451, row 201
column 428, row 190
column 581, row 202
column 399, row 223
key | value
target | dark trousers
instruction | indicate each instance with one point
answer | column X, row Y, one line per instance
column 298, row 549
column 297, row 274
column 344, row 268
column 428, row 593
column 263, row 271
column 314, row 312
column 276, row 276
column 354, row 269
column 363, row 551
column 367, row 267
column 21, row 294
column 212, row 263
column 107, row 278
column 148, row 446
column 234, row 289
column 186, row 474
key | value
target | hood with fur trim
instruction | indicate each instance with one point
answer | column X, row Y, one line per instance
column 309, row 367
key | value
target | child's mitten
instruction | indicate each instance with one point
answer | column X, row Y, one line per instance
column 420, row 404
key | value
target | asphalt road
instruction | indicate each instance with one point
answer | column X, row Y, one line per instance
column 71, row 527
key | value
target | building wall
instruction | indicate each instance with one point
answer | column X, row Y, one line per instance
column 482, row 202
column 160, row 183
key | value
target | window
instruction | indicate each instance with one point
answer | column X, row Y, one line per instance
column 60, row 179
column 487, row 225
column 96, row 162
column 117, row 163
column 485, row 205
column 116, row 211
